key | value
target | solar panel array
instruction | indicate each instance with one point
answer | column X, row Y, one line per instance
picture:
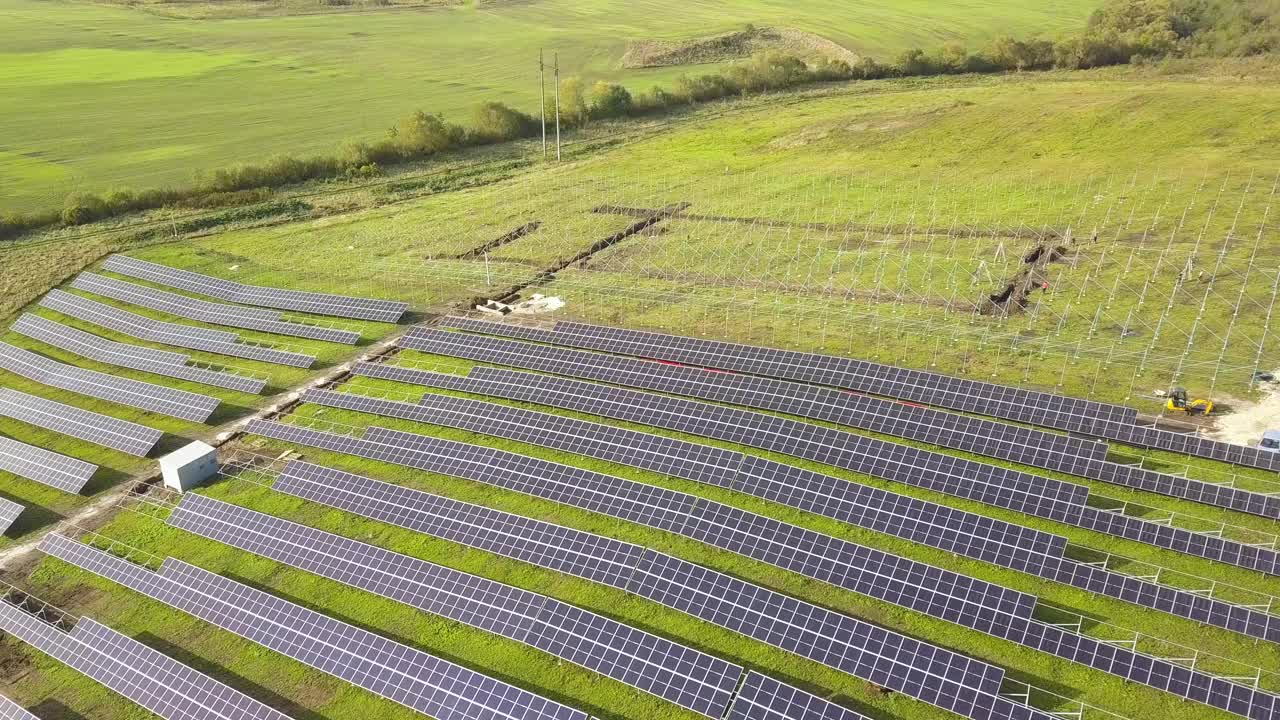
column 10, row 710
column 220, row 342
column 917, row 669
column 951, row 596
column 154, row 681
column 9, row 512
column 134, row 393
column 214, row 313
column 1001, row 543
column 1046, row 450
column 763, row 698
column 941, row 473
column 310, row 302
column 973, row 396
column 44, row 466
column 422, row 682
column 673, row 672
column 731, row 603
column 1098, row 419
column 89, row 426
column 136, row 357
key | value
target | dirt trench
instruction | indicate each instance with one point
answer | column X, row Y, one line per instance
column 1014, row 295
column 498, row 242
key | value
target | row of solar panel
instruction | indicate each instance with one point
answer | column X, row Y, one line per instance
column 134, row 393
column 974, row 396
column 43, row 466
column 219, row 342
column 727, row 601
column 1001, row 618
column 917, row 669
column 950, row 596
column 685, row 677
column 10, row 710
column 1004, row 544
column 410, row 677
column 204, row 311
column 135, row 357
column 89, row 426
column 1062, row 502
column 309, row 302
column 984, row 437
column 151, row 679
column 1096, row 419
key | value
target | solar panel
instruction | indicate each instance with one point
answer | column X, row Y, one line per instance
column 134, row 393
column 89, row 426
column 9, row 512
column 317, row 303
column 10, row 710
column 940, row 473
column 588, row 365
column 43, row 466
column 956, row 393
column 136, row 357
column 394, row 671
column 219, row 342
column 763, row 698
column 214, row 313
column 1107, row 421
column 927, row 589
column 862, row 650
column 1054, row 452
column 683, row 676
column 572, row 552
column 159, row 684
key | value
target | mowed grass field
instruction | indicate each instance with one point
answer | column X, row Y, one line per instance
column 99, row 96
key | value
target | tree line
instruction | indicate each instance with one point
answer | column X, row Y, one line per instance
column 1121, row 32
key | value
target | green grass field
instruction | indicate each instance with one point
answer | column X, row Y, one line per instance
column 863, row 220
column 99, row 96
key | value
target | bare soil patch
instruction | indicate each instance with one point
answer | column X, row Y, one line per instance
column 732, row 46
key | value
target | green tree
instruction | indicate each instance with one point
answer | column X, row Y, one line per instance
column 609, row 100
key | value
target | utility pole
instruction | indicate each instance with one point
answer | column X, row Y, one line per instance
column 542, row 84
column 557, row 80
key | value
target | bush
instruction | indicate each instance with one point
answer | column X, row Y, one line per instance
column 609, row 101
column 495, row 122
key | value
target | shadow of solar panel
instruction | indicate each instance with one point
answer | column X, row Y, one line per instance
column 43, row 466
column 683, row 676
column 134, row 393
column 136, row 357
column 214, row 313
column 148, row 678
column 627, row 371
column 792, row 625
column 219, row 342
column 568, row 551
column 399, row 673
column 89, row 426
column 9, row 512
column 827, row 446
column 310, row 302
column 941, row 390
column 10, row 710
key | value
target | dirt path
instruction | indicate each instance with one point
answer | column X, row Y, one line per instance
column 1246, row 425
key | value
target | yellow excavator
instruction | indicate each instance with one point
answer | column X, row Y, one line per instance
column 1178, row 400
